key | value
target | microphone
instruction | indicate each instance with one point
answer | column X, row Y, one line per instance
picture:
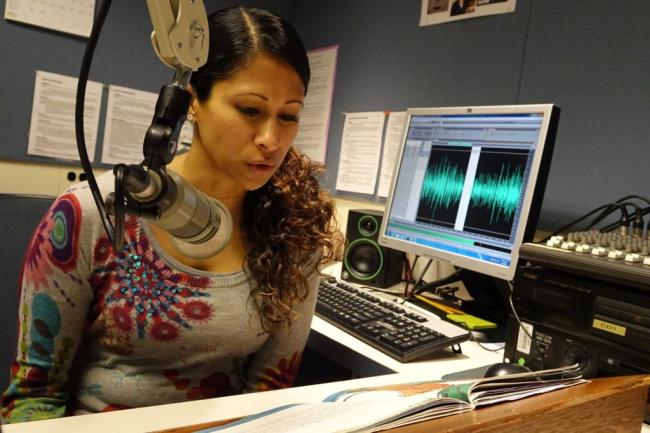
column 200, row 226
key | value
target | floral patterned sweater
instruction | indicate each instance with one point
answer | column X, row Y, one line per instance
column 100, row 331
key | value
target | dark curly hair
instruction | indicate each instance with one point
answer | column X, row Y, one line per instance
column 289, row 223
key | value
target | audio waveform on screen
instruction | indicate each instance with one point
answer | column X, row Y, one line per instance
column 496, row 195
column 498, row 192
column 443, row 185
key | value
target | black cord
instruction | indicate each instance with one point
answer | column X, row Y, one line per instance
column 587, row 215
column 606, row 212
column 435, row 283
column 514, row 312
column 120, row 171
column 473, row 339
column 426, row 268
column 79, row 118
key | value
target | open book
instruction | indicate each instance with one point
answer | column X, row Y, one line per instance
column 382, row 408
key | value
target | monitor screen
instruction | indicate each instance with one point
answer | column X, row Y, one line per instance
column 469, row 183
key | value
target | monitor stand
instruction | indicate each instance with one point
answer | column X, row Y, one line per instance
column 489, row 300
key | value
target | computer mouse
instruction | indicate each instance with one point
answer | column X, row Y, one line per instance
column 503, row 368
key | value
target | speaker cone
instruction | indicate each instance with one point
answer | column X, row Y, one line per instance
column 364, row 259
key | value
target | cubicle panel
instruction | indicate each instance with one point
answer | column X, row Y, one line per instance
column 19, row 216
column 593, row 60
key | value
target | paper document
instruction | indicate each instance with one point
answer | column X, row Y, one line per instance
column 69, row 16
column 392, row 141
column 360, row 148
column 315, row 117
column 128, row 116
column 52, row 129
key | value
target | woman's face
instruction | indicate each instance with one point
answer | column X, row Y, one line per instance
column 249, row 122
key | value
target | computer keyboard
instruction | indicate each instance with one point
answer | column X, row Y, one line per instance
column 402, row 331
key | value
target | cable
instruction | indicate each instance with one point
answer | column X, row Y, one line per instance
column 426, row 268
column 587, row 215
column 473, row 339
column 79, row 118
column 435, row 283
column 611, row 209
column 514, row 312
column 409, row 274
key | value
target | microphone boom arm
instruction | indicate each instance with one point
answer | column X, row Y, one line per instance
column 180, row 40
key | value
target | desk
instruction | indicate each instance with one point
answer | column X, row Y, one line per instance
column 164, row 417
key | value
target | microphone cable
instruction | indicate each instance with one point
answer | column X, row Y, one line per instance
column 79, row 118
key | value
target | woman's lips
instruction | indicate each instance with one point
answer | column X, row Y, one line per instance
column 261, row 167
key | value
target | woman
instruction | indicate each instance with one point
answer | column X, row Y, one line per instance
column 103, row 331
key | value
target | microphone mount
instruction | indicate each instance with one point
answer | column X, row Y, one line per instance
column 139, row 189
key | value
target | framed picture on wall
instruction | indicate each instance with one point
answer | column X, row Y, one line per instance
column 441, row 11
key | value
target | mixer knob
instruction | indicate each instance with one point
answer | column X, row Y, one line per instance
column 554, row 242
column 568, row 246
column 584, row 248
column 600, row 252
column 633, row 258
column 616, row 255
column 575, row 355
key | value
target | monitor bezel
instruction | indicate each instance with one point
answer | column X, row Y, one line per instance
column 532, row 197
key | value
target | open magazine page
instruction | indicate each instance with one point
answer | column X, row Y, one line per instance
column 345, row 416
column 514, row 386
column 384, row 407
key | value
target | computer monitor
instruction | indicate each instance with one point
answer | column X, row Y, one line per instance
column 469, row 183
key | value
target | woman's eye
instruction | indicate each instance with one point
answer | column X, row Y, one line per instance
column 248, row 111
column 289, row 117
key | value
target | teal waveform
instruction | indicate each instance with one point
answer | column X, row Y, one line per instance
column 443, row 185
column 499, row 192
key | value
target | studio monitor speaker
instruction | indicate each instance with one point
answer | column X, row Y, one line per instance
column 365, row 261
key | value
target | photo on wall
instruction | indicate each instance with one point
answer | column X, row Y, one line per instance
column 441, row 11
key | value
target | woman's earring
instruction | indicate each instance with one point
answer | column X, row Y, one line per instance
column 190, row 117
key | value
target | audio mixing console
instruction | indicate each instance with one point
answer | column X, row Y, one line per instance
column 611, row 256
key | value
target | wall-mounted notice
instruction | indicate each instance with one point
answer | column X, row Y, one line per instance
column 69, row 16
column 392, row 141
column 360, row 148
column 315, row 117
column 52, row 129
column 128, row 116
column 441, row 11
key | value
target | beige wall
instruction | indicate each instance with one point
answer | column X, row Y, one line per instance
column 40, row 179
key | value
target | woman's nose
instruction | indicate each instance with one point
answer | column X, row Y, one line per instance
column 268, row 137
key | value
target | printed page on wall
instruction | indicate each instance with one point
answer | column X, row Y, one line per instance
column 128, row 116
column 442, row 11
column 315, row 116
column 392, row 142
column 360, row 148
column 68, row 16
column 52, row 128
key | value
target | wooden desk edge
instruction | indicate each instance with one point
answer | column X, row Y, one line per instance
column 549, row 402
